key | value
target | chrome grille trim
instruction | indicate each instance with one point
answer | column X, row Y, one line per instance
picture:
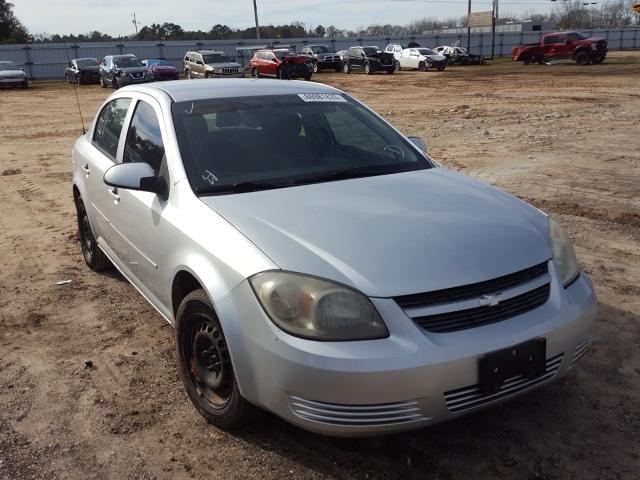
column 466, row 398
column 581, row 351
column 356, row 415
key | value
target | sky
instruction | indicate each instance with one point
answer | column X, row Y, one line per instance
column 115, row 16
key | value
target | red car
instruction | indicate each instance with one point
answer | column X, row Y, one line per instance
column 161, row 70
column 563, row 45
column 280, row 63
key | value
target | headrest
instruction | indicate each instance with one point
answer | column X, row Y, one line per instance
column 230, row 118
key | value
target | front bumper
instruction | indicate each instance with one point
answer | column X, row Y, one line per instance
column 411, row 379
column 13, row 81
column 129, row 80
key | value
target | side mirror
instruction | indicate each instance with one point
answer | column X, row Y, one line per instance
column 274, row 60
column 417, row 141
column 567, row 42
column 136, row 176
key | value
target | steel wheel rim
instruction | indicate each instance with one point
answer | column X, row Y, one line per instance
column 209, row 366
column 86, row 239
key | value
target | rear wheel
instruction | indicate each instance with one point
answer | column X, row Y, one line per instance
column 205, row 364
column 93, row 256
column 367, row 68
column 422, row 66
column 397, row 65
column 583, row 58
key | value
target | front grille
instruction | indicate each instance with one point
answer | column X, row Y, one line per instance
column 466, row 398
column 473, row 290
column 137, row 74
column 356, row 415
column 581, row 351
column 230, row 70
column 475, row 317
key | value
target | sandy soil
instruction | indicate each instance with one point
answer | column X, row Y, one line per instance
column 563, row 137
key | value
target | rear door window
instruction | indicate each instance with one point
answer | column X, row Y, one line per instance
column 106, row 134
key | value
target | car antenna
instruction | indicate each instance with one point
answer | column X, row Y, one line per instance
column 75, row 89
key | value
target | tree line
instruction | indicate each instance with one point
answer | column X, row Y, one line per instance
column 570, row 14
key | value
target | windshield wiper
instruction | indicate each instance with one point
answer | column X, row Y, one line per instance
column 240, row 187
column 347, row 174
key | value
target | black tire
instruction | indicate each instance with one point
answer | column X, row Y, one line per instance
column 282, row 74
column 102, row 82
column 367, row 68
column 95, row 258
column 391, row 71
column 583, row 58
column 441, row 69
column 346, row 68
column 79, row 80
column 599, row 59
column 255, row 73
column 397, row 65
column 205, row 364
column 307, row 76
column 114, row 83
column 422, row 66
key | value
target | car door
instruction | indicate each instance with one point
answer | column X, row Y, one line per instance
column 414, row 58
column 270, row 64
column 106, row 143
column 139, row 217
column 356, row 55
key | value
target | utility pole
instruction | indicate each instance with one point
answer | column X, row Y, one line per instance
column 255, row 13
column 494, row 17
column 468, row 28
column 135, row 23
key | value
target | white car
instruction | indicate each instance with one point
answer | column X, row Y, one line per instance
column 11, row 75
column 421, row 59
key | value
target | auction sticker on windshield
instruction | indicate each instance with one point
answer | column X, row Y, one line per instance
column 321, row 97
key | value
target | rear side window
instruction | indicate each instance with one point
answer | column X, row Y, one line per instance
column 144, row 140
column 109, row 126
column 552, row 39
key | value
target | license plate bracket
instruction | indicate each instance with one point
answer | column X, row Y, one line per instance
column 527, row 359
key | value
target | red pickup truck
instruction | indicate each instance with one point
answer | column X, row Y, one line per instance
column 562, row 45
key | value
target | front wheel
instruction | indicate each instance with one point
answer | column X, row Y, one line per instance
column 255, row 73
column 95, row 258
column 583, row 58
column 599, row 59
column 205, row 364
column 422, row 66
column 315, row 69
column 397, row 65
column 367, row 68
column 346, row 68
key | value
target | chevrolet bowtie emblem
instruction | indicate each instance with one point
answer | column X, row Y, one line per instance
column 490, row 300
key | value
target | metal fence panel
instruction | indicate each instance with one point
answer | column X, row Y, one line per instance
column 48, row 60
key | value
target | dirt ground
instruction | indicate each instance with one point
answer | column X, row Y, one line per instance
column 563, row 137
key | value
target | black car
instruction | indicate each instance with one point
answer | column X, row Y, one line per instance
column 323, row 58
column 368, row 59
column 121, row 70
column 83, row 71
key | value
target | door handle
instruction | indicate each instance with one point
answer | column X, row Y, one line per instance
column 86, row 168
column 114, row 193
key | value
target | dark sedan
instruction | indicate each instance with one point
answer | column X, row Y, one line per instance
column 83, row 71
column 161, row 69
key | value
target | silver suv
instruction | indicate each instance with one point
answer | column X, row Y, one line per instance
column 211, row 64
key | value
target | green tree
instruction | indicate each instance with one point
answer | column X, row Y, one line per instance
column 320, row 31
column 11, row 29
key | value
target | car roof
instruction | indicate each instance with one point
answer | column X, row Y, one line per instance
column 210, row 51
column 85, row 58
column 183, row 91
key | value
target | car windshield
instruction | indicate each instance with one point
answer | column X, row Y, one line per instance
column 426, row 51
column 87, row 62
column 125, row 62
column 320, row 49
column 576, row 36
column 252, row 143
column 8, row 66
column 371, row 50
column 210, row 58
column 282, row 53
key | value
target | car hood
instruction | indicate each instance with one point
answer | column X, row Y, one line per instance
column 132, row 69
column 226, row 65
column 12, row 73
column 394, row 234
column 163, row 68
column 436, row 58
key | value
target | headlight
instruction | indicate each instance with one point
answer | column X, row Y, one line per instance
column 317, row 309
column 564, row 257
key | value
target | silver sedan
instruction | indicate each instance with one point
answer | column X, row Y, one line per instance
column 318, row 264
